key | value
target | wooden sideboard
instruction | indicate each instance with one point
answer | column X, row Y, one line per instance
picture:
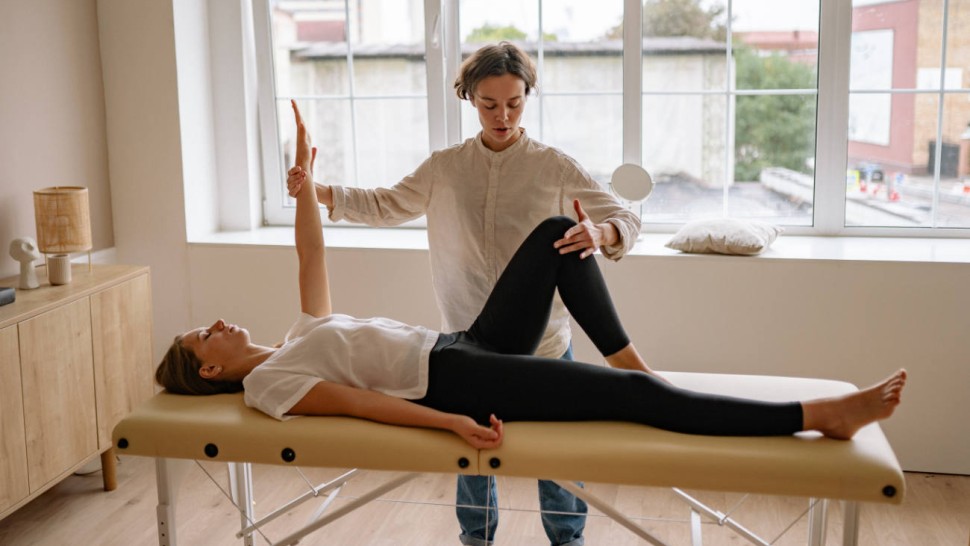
column 74, row 360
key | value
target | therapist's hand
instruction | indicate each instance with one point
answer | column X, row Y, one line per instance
column 478, row 436
column 586, row 236
column 296, row 177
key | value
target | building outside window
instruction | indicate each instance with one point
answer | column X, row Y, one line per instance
column 737, row 112
column 908, row 118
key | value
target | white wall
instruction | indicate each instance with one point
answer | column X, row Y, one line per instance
column 52, row 116
column 145, row 151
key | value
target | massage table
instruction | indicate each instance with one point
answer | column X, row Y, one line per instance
column 173, row 428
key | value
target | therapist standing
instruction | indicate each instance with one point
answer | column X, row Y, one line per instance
column 482, row 198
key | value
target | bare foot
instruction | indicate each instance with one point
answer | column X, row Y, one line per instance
column 842, row 417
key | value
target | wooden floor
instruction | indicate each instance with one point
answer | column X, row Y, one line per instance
column 936, row 512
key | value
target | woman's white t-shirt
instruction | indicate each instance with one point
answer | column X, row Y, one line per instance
column 377, row 354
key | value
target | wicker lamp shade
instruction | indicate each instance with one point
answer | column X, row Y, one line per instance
column 63, row 219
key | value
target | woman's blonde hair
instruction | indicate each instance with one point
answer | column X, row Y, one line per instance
column 495, row 60
column 178, row 372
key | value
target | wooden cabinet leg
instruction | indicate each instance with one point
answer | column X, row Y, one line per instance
column 108, row 468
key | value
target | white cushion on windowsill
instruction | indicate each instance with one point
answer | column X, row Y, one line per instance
column 725, row 236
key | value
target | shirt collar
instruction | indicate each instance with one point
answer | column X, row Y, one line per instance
column 519, row 144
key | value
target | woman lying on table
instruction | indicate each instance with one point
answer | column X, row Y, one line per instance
column 386, row 371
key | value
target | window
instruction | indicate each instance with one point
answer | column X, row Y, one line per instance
column 822, row 116
column 909, row 110
column 729, row 109
column 358, row 72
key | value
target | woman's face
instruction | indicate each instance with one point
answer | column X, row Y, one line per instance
column 220, row 345
column 500, row 101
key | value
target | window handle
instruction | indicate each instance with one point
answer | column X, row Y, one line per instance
column 435, row 30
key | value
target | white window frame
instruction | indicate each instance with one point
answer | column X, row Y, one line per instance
column 268, row 123
column 443, row 56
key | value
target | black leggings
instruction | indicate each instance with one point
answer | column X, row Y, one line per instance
column 489, row 368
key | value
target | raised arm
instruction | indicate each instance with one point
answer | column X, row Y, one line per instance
column 314, row 282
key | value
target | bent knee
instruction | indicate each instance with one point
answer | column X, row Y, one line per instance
column 550, row 230
column 556, row 225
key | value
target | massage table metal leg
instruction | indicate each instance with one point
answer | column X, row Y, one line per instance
column 324, row 505
column 168, row 475
column 347, row 508
column 850, row 523
column 817, row 523
column 608, row 510
column 241, row 490
column 720, row 518
column 334, row 485
column 696, row 536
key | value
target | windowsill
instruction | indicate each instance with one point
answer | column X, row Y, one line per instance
column 335, row 237
column 791, row 247
column 818, row 248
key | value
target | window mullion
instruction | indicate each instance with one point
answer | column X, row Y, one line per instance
column 941, row 103
column 451, row 35
column 730, row 109
column 353, row 93
column 434, row 44
column 831, row 144
column 540, row 68
column 633, row 81
column 266, row 101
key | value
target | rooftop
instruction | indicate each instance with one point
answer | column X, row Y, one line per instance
column 612, row 48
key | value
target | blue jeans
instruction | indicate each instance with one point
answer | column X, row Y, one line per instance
column 563, row 515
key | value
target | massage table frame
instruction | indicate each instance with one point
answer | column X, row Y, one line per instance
column 176, row 429
column 169, row 474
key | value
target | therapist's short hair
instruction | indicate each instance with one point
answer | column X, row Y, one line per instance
column 495, row 60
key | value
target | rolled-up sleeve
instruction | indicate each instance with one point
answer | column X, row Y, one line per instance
column 382, row 207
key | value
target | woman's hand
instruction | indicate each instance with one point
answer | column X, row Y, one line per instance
column 303, row 144
column 586, row 236
column 476, row 435
column 306, row 153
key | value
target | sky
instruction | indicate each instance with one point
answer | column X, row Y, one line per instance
column 583, row 20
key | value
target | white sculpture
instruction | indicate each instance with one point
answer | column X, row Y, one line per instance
column 24, row 250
